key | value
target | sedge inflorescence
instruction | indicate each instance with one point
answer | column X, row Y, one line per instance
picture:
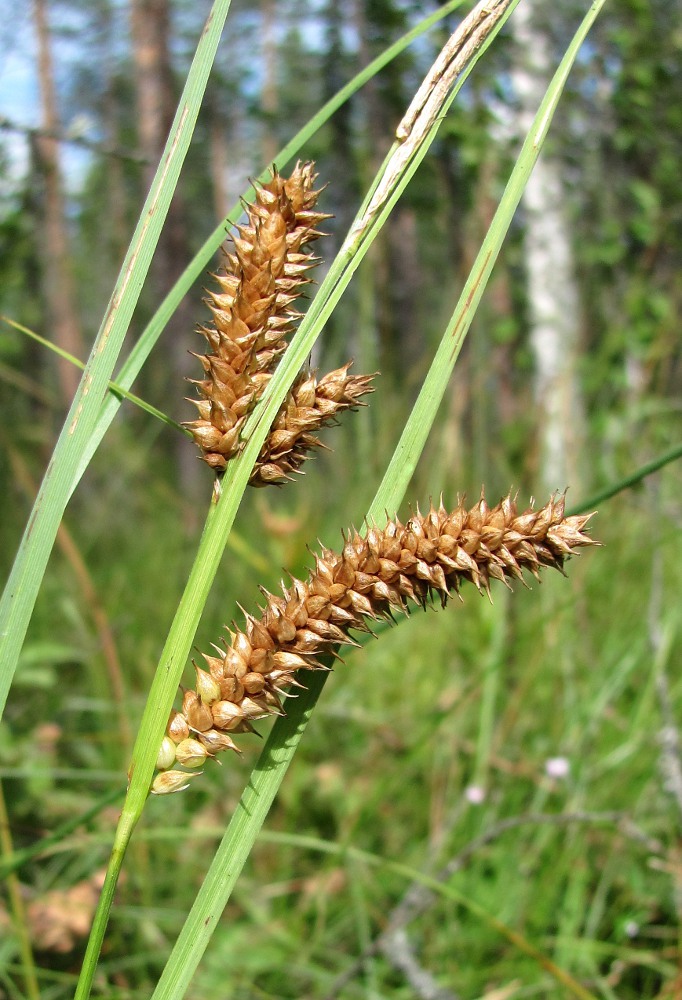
column 376, row 573
column 253, row 314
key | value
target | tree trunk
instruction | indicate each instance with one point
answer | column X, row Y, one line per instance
column 63, row 326
column 150, row 28
column 116, row 188
column 553, row 301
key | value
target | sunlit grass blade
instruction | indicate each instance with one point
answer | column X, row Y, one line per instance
column 222, row 513
column 395, row 173
column 118, row 391
column 18, row 600
column 631, row 480
column 286, row 733
column 394, row 176
column 149, row 336
column 413, row 438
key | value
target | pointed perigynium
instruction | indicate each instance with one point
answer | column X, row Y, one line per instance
column 374, row 575
column 253, row 313
column 253, row 310
column 309, row 406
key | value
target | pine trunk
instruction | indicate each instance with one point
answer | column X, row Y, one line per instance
column 150, row 28
column 63, row 326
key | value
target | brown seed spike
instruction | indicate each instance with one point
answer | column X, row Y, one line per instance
column 426, row 558
column 253, row 307
column 253, row 313
column 309, row 405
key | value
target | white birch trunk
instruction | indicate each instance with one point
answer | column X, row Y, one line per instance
column 553, row 301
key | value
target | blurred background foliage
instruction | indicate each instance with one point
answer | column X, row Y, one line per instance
column 552, row 711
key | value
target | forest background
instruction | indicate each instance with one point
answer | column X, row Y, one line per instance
column 530, row 745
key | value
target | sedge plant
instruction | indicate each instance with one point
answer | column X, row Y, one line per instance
column 258, row 410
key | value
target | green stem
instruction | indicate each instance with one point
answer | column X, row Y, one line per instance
column 21, row 590
column 142, row 349
column 236, row 845
column 161, row 695
column 122, row 838
column 18, row 911
column 241, row 834
column 117, row 390
column 623, row 484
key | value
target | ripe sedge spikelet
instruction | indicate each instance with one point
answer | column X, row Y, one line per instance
column 375, row 574
column 253, row 314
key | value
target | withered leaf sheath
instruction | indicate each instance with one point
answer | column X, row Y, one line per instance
column 374, row 574
column 253, row 314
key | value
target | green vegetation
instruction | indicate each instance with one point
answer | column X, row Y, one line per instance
column 485, row 801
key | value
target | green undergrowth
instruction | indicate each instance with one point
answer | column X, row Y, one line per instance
column 422, row 743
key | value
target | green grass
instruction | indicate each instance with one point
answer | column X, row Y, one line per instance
column 391, row 749
column 427, row 748
column 386, row 766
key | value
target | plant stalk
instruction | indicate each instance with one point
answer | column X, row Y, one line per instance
column 21, row 590
column 17, row 907
column 233, row 851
